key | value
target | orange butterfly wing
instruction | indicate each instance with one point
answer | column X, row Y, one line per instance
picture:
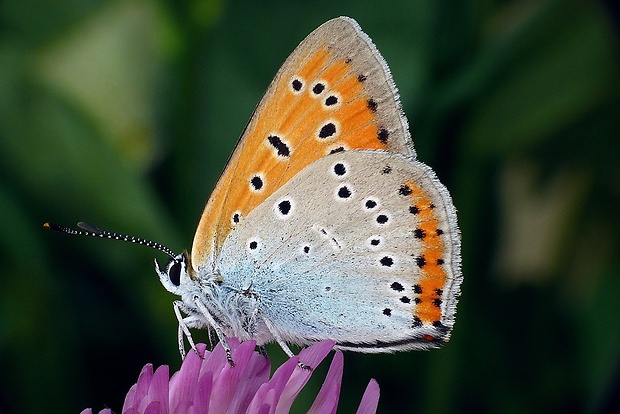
column 334, row 93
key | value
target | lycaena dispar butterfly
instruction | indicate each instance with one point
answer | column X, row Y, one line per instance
column 323, row 225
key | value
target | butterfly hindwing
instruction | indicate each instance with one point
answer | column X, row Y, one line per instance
column 357, row 221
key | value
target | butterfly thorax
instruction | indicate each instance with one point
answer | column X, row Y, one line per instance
column 208, row 301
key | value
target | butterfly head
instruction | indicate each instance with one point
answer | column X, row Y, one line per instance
column 178, row 273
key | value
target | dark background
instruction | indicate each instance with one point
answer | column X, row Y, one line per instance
column 124, row 114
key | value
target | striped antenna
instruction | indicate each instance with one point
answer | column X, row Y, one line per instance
column 90, row 230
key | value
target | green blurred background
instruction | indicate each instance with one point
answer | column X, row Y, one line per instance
column 124, row 113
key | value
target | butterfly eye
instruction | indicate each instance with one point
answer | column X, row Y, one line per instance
column 174, row 273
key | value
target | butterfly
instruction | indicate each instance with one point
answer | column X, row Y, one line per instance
column 323, row 225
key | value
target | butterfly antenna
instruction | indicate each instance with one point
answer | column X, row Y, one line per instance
column 90, row 230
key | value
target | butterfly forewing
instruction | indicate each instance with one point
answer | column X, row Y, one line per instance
column 333, row 94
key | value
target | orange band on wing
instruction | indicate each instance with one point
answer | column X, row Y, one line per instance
column 431, row 259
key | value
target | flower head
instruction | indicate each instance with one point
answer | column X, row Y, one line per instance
column 210, row 383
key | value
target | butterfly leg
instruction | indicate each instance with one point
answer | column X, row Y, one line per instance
column 218, row 331
column 283, row 344
column 183, row 328
column 262, row 350
column 210, row 336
